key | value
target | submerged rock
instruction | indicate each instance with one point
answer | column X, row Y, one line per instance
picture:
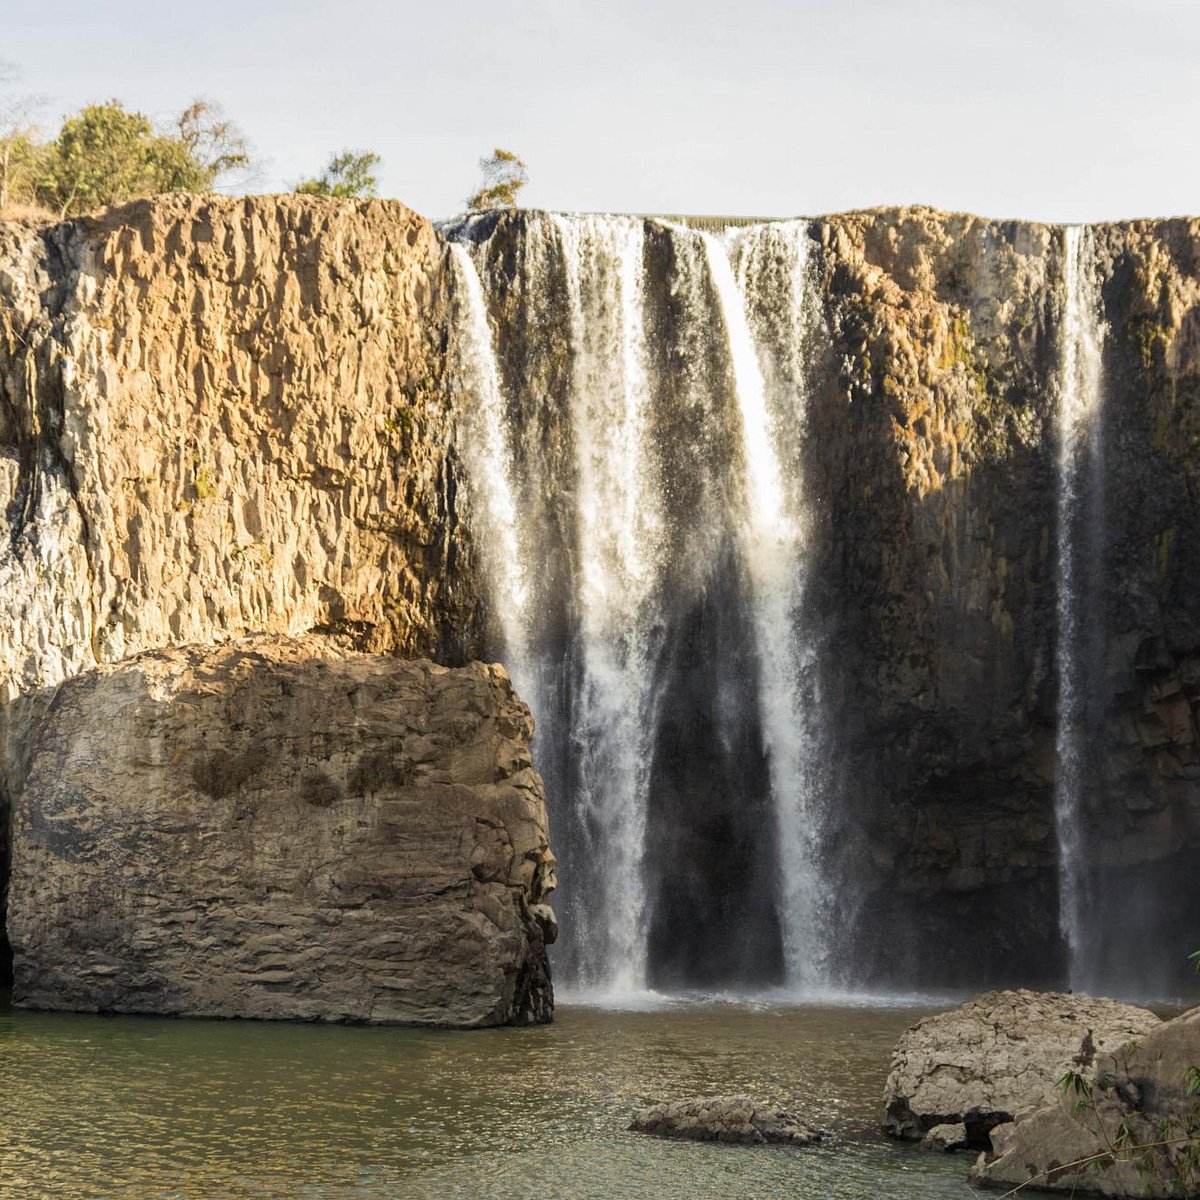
column 997, row 1055
column 1104, row 1137
column 284, row 828
column 736, row 1119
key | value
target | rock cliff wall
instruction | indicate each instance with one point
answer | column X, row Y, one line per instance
column 284, row 828
column 926, row 391
column 936, row 462
column 219, row 417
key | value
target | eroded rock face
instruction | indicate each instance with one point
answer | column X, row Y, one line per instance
column 284, row 828
column 221, row 417
column 1135, row 1099
column 998, row 1055
column 737, row 1119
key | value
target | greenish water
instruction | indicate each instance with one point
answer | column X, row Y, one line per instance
column 139, row 1107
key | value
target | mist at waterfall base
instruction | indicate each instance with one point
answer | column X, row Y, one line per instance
column 637, row 439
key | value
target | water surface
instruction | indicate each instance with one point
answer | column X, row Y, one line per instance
column 142, row 1107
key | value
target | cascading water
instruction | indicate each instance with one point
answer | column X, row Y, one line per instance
column 1080, row 463
column 488, row 458
column 772, row 269
column 619, row 532
column 639, row 499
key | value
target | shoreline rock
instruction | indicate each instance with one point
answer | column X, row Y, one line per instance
column 288, row 829
column 1131, row 1100
column 999, row 1054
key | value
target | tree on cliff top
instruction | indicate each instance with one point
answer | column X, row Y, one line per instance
column 18, row 141
column 351, row 173
column 504, row 175
column 106, row 154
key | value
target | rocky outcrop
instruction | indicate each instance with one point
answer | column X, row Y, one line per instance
column 737, row 1119
column 225, row 416
column 1000, row 1054
column 284, row 828
column 1128, row 1127
column 221, row 417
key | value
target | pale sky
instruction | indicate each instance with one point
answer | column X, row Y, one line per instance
column 1060, row 110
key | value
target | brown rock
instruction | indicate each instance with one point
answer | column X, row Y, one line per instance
column 1107, row 1139
column 289, row 829
column 724, row 1119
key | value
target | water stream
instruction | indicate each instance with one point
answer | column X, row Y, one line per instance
column 1078, row 533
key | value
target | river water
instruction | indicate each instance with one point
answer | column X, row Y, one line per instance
column 148, row 1108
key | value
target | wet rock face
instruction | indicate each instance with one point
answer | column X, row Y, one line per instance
column 736, row 1119
column 1128, row 1130
column 1000, row 1054
column 289, row 829
column 935, row 466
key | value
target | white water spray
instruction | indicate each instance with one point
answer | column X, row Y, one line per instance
column 619, row 529
column 775, row 543
column 1079, row 404
column 488, row 457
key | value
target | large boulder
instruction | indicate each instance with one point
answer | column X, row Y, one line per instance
column 1130, row 1127
column 284, row 828
column 737, row 1119
column 997, row 1055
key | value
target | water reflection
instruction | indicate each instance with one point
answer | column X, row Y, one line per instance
column 131, row 1107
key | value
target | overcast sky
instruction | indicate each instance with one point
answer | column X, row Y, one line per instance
column 1051, row 109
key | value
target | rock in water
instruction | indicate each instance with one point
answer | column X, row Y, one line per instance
column 944, row 1138
column 284, row 828
column 736, row 1119
column 1134, row 1098
column 997, row 1055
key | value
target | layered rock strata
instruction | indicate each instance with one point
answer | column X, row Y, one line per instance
column 284, row 828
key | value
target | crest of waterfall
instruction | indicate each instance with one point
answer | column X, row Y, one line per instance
column 1080, row 462
column 619, row 539
column 764, row 311
column 488, row 457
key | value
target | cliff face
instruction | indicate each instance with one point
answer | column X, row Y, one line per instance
column 220, row 417
column 919, row 385
column 937, row 464
column 283, row 828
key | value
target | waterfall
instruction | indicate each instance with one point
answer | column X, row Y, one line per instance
column 1080, row 460
column 619, row 534
column 773, row 279
column 488, row 458
column 631, row 436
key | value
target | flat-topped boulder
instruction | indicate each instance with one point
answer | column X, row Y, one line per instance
column 1129, row 1129
column 999, row 1054
column 284, row 828
column 737, row 1119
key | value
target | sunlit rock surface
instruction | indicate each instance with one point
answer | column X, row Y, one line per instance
column 284, row 828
